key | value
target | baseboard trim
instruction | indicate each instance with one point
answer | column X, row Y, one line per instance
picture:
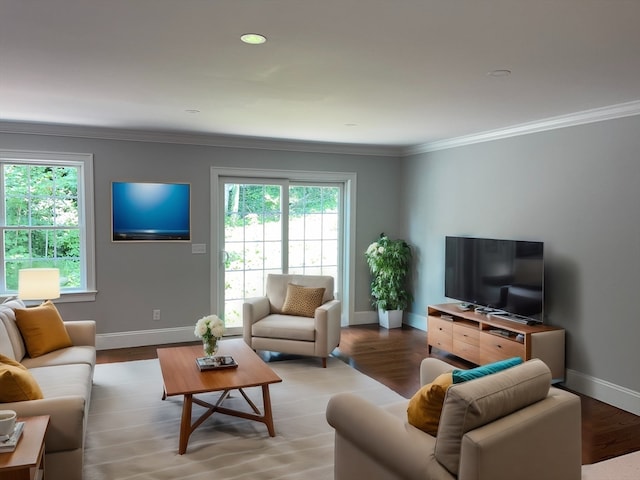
column 607, row 392
column 141, row 338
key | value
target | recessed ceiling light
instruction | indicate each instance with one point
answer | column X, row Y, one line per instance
column 499, row 73
column 192, row 110
column 253, row 38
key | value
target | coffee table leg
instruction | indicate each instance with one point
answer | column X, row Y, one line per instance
column 185, row 423
column 268, row 417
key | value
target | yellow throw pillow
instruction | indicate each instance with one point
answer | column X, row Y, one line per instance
column 425, row 406
column 16, row 382
column 42, row 329
column 302, row 301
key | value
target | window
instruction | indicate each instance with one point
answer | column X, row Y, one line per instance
column 46, row 217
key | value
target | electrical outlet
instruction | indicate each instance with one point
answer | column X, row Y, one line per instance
column 156, row 314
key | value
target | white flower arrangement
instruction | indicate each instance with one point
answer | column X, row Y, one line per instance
column 209, row 326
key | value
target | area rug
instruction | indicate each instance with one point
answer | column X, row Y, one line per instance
column 625, row 467
column 133, row 434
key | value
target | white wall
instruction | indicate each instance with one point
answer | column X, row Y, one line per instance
column 576, row 189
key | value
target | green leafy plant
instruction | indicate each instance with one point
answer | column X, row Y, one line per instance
column 389, row 262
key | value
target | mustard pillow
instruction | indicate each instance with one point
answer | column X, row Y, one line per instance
column 16, row 382
column 425, row 406
column 302, row 301
column 42, row 329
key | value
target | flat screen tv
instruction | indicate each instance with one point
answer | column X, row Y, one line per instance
column 499, row 275
column 144, row 211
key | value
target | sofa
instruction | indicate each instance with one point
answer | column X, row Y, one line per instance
column 502, row 426
column 298, row 315
column 62, row 377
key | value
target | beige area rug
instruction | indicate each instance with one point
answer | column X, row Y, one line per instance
column 133, row 434
column 625, row 467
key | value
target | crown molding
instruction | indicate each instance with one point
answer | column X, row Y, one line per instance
column 570, row 120
column 212, row 140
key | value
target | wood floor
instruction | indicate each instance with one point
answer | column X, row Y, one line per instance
column 393, row 357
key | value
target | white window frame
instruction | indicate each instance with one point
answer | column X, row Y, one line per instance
column 83, row 161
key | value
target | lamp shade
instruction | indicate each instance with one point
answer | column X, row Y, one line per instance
column 38, row 283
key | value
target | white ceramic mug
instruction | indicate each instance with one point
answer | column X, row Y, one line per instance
column 7, row 422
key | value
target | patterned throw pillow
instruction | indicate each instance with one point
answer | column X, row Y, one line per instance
column 302, row 301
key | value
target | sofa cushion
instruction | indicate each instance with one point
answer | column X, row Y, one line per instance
column 302, row 301
column 16, row 382
column 8, row 319
column 460, row 376
column 472, row 404
column 425, row 406
column 42, row 329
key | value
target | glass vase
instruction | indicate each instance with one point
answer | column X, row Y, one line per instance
column 210, row 346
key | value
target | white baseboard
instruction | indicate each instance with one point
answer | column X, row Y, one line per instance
column 364, row 318
column 140, row 338
column 607, row 392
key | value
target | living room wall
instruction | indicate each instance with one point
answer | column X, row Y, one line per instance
column 574, row 188
column 134, row 279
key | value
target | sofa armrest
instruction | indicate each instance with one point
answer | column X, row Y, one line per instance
column 253, row 309
column 431, row 367
column 82, row 332
column 67, row 422
column 382, row 438
column 542, row 440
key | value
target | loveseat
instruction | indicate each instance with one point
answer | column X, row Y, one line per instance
column 62, row 377
column 507, row 425
column 298, row 315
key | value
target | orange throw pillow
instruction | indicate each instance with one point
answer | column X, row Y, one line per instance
column 16, row 382
column 425, row 406
column 302, row 301
column 42, row 329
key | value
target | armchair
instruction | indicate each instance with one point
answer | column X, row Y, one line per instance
column 268, row 322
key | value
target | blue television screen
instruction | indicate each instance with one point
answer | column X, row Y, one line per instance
column 143, row 211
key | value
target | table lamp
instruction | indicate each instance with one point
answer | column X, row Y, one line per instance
column 38, row 283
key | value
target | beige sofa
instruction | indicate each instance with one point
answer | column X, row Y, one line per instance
column 266, row 326
column 65, row 377
column 504, row 426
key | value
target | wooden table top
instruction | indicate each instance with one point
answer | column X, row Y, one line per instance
column 182, row 376
column 27, row 451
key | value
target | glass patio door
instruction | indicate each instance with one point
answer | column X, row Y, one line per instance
column 275, row 227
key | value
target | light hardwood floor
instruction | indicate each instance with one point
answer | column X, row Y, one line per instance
column 393, row 357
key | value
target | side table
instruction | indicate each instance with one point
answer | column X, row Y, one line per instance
column 26, row 462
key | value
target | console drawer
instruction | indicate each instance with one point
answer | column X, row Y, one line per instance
column 494, row 348
column 466, row 351
column 440, row 333
column 465, row 334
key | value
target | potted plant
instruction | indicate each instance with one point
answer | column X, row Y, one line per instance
column 389, row 262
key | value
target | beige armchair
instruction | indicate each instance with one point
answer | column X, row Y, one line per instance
column 504, row 426
column 278, row 321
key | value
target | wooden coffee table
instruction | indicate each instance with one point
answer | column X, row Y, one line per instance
column 181, row 376
column 26, row 462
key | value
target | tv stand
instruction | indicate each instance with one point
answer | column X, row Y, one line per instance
column 485, row 338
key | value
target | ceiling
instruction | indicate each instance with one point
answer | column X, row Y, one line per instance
column 395, row 73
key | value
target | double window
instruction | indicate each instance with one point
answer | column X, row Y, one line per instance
column 46, row 217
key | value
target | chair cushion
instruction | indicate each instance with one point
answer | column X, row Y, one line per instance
column 288, row 327
column 16, row 382
column 425, row 406
column 42, row 329
column 471, row 404
column 302, row 301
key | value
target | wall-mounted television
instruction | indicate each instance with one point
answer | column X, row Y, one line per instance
column 145, row 211
column 503, row 276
